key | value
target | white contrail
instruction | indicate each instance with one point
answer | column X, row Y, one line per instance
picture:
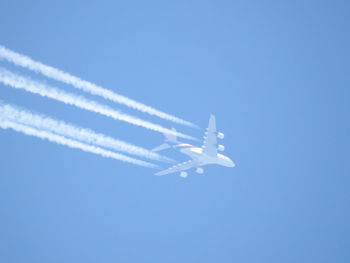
column 19, row 82
column 51, row 72
column 6, row 124
column 67, row 130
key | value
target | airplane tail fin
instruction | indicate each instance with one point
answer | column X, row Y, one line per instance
column 170, row 137
column 169, row 140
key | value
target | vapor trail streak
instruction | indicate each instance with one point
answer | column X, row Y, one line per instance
column 19, row 82
column 5, row 124
column 51, row 72
column 67, row 130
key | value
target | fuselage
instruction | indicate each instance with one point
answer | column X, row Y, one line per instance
column 197, row 154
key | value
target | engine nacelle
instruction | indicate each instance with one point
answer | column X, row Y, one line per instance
column 183, row 174
column 220, row 135
column 199, row 170
column 221, row 148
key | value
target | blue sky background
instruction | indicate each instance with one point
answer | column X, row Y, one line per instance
column 276, row 74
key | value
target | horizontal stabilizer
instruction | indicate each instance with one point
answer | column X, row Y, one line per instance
column 161, row 147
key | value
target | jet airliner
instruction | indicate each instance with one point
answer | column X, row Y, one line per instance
column 200, row 156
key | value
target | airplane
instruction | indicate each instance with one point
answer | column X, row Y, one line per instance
column 200, row 156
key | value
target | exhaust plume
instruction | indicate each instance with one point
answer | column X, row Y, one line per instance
column 67, row 130
column 59, row 75
column 19, row 82
column 45, row 135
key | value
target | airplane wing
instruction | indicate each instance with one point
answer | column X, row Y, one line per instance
column 178, row 168
column 210, row 139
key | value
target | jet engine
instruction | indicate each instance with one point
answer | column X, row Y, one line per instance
column 221, row 148
column 183, row 174
column 220, row 135
column 199, row 170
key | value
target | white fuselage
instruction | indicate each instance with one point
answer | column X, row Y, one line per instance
column 197, row 154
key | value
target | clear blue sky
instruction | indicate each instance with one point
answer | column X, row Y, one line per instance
column 276, row 74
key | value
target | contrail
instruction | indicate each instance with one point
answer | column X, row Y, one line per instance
column 19, row 82
column 67, row 130
column 5, row 124
column 51, row 72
